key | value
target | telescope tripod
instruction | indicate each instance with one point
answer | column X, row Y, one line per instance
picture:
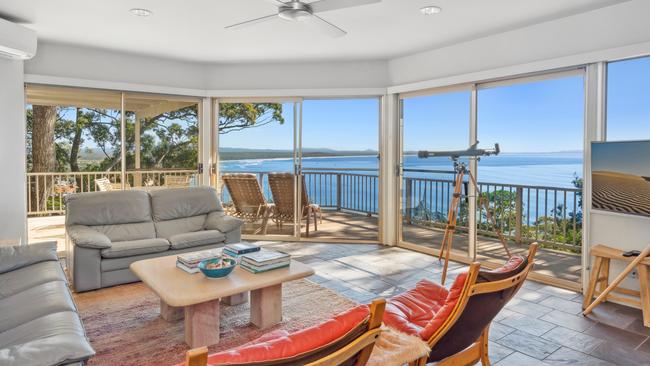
column 445, row 247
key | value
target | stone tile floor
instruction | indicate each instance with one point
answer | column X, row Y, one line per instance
column 541, row 326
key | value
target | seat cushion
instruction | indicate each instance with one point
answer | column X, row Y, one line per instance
column 128, row 232
column 53, row 339
column 27, row 277
column 33, row 303
column 116, row 264
column 197, row 238
column 300, row 347
column 135, row 247
column 168, row 228
column 175, row 203
column 422, row 310
column 18, row 256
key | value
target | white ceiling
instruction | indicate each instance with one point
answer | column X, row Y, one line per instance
column 194, row 29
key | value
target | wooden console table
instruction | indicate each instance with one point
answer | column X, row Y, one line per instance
column 600, row 278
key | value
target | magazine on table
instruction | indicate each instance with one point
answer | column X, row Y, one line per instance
column 265, row 257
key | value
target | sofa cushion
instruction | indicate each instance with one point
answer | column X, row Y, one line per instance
column 53, row 339
column 18, row 256
column 170, row 204
column 168, row 228
column 135, row 247
column 108, row 208
column 27, row 277
column 116, row 264
column 196, row 239
column 126, row 232
column 301, row 347
column 33, row 303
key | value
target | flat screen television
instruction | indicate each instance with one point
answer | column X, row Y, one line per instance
column 620, row 177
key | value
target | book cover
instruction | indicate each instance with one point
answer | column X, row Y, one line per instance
column 266, row 268
column 196, row 257
column 242, row 248
column 191, row 270
column 265, row 257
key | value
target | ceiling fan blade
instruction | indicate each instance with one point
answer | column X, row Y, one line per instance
column 325, row 26
column 275, row 2
column 15, row 19
column 327, row 5
column 252, row 22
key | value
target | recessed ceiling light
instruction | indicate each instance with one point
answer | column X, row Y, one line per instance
column 140, row 12
column 430, row 10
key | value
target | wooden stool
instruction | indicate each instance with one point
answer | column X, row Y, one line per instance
column 600, row 277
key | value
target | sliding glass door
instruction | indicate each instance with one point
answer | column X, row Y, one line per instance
column 533, row 189
column 258, row 165
column 433, row 122
column 530, row 192
column 340, row 168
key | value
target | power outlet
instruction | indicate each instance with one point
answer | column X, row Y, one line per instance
column 634, row 275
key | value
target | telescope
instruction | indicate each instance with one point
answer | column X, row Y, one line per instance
column 473, row 151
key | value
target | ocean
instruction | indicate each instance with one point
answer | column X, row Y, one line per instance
column 534, row 169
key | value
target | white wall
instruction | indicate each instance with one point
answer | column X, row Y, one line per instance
column 84, row 66
column 13, row 210
column 575, row 38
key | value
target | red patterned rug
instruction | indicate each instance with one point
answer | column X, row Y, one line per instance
column 125, row 328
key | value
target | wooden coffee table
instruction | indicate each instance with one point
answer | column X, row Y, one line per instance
column 196, row 297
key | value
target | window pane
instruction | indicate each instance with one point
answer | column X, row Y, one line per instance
column 628, row 100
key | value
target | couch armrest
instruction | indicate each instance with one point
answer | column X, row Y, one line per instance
column 18, row 256
column 218, row 220
column 86, row 237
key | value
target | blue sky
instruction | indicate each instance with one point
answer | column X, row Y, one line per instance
column 628, row 100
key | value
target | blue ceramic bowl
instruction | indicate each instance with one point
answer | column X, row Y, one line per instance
column 227, row 266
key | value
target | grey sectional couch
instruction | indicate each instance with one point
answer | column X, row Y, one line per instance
column 39, row 324
column 107, row 231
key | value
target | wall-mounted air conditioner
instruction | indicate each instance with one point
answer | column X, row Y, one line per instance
column 16, row 41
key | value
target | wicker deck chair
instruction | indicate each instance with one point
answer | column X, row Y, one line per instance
column 177, row 181
column 248, row 199
column 456, row 321
column 104, row 184
column 282, row 188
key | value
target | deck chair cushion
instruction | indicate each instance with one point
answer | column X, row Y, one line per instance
column 299, row 348
column 514, row 265
column 422, row 310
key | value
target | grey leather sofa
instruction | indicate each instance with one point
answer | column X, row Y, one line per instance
column 107, row 231
column 39, row 324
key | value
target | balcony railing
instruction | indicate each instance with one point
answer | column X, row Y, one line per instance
column 550, row 215
column 46, row 191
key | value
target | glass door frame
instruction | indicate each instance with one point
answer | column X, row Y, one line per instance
column 297, row 153
column 380, row 103
column 474, row 87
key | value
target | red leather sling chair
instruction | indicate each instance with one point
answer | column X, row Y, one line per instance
column 456, row 322
column 346, row 339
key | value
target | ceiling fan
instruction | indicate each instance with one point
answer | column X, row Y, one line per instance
column 303, row 11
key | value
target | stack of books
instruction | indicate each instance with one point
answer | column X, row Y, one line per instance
column 236, row 250
column 189, row 262
column 264, row 260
